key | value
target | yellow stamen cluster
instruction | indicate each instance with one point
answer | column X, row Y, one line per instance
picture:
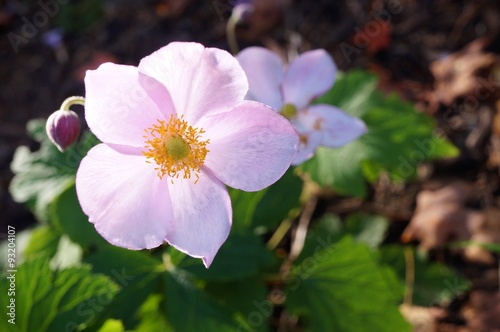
column 176, row 146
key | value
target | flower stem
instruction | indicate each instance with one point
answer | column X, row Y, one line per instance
column 70, row 101
column 301, row 232
column 410, row 275
column 231, row 34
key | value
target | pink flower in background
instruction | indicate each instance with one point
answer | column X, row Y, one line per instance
column 175, row 131
column 290, row 91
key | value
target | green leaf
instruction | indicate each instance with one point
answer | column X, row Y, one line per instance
column 151, row 316
column 68, row 254
column 240, row 256
column 279, row 200
column 339, row 168
column 42, row 175
column 114, row 262
column 137, row 273
column 342, row 287
column 248, row 297
column 244, row 205
column 66, row 214
column 434, row 284
column 43, row 240
column 352, row 92
column 397, row 141
column 112, row 325
column 48, row 300
column 367, row 229
column 265, row 209
column 188, row 308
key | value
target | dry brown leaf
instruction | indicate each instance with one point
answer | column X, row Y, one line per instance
column 457, row 74
column 441, row 217
column 171, row 8
column 494, row 153
column 422, row 319
column 483, row 311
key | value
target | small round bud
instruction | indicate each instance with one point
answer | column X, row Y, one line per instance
column 63, row 128
column 241, row 10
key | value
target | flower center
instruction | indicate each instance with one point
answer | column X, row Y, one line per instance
column 176, row 148
column 288, row 111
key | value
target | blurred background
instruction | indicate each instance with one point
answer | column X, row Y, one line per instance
column 441, row 55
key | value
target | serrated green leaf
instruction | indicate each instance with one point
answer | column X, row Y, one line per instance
column 66, row 214
column 138, row 275
column 343, row 288
column 339, row 168
column 397, row 141
column 43, row 174
column 49, row 300
column 434, row 283
column 352, row 92
column 188, row 308
column 43, row 240
column 240, row 256
column 444, row 149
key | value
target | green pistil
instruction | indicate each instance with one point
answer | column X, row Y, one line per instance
column 288, row 111
column 176, row 148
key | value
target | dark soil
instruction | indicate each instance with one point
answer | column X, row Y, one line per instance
column 398, row 40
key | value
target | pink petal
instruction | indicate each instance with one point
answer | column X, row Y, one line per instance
column 201, row 80
column 307, row 77
column 264, row 71
column 250, row 147
column 118, row 106
column 338, row 127
column 123, row 197
column 202, row 216
column 308, row 144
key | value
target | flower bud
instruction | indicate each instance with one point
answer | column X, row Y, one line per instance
column 63, row 128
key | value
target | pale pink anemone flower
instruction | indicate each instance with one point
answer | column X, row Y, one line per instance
column 290, row 92
column 175, row 130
